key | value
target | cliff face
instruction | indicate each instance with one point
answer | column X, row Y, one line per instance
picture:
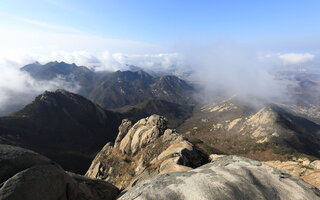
column 143, row 150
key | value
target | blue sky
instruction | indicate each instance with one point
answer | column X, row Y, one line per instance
column 169, row 21
column 117, row 31
column 227, row 44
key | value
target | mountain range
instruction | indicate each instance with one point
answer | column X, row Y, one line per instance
column 263, row 132
column 123, row 128
column 116, row 89
column 70, row 129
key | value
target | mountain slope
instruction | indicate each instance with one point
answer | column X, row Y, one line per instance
column 264, row 132
column 119, row 89
column 64, row 126
column 175, row 113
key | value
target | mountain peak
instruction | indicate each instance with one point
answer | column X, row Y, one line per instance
column 61, row 121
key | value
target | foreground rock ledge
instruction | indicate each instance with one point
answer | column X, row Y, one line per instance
column 229, row 177
column 26, row 175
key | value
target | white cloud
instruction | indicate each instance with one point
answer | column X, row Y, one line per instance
column 233, row 69
column 23, row 46
column 17, row 88
column 162, row 61
column 45, row 42
column 223, row 67
column 296, row 58
column 101, row 61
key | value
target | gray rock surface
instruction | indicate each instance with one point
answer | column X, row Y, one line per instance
column 15, row 159
column 26, row 175
column 229, row 177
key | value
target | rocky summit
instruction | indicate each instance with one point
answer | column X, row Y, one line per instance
column 229, row 177
column 143, row 150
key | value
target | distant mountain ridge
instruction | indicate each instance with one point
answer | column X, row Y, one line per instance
column 265, row 132
column 70, row 72
column 52, row 69
column 116, row 89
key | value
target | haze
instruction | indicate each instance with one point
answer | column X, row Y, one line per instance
column 232, row 46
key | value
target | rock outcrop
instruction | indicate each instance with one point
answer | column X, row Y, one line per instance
column 143, row 150
column 298, row 167
column 229, row 177
column 26, row 175
column 302, row 167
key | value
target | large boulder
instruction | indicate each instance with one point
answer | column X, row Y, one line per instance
column 26, row 175
column 230, row 178
column 15, row 159
column 143, row 150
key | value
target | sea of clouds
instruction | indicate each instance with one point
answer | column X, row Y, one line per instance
column 227, row 68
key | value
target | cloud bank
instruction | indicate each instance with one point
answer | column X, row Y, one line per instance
column 296, row 58
column 221, row 68
column 17, row 88
column 218, row 68
column 229, row 69
column 102, row 61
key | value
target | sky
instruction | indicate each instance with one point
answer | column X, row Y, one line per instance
column 236, row 40
column 82, row 31
column 168, row 20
